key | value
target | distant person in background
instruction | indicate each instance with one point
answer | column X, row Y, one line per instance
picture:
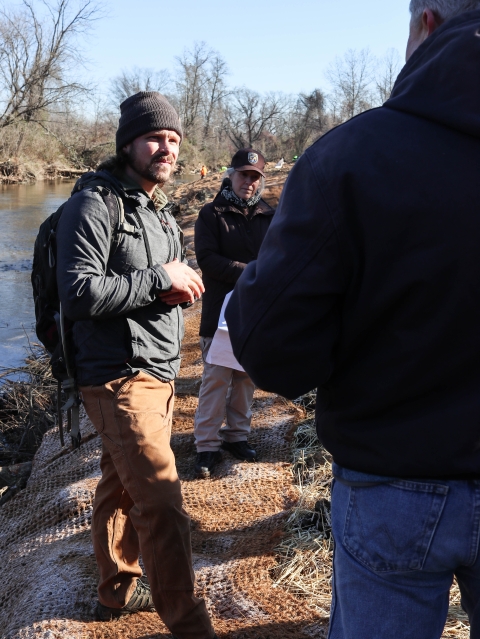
column 228, row 234
column 203, row 171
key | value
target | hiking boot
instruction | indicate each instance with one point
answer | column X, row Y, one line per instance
column 140, row 601
column 240, row 450
column 205, row 463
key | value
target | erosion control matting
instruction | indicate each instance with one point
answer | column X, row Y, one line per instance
column 238, row 517
column 260, row 532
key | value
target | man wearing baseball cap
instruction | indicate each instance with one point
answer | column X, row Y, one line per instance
column 122, row 284
column 228, row 234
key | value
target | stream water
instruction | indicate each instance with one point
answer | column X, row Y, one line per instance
column 22, row 209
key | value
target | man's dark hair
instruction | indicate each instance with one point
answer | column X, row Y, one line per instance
column 114, row 163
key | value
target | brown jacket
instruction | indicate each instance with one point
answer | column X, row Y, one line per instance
column 227, row 238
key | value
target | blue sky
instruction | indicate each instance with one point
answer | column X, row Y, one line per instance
column 273, row 45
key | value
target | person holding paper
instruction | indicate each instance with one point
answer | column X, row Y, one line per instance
column 228, row 234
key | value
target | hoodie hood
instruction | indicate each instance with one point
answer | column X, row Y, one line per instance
column 441, row 80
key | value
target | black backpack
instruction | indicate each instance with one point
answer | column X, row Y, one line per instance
column 51, row 327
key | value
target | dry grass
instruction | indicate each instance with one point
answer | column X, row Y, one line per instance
column 27, row 406
column 305, row 554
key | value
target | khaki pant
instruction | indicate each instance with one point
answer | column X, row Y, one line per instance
column 138, row 503
column 224, row 393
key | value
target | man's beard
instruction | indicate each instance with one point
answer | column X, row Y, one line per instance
column 154, row 171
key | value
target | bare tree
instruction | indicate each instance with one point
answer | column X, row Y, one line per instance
column 200, row 83
column 308, row 119
column 389, row 69
column 251, row 114
column 139, row 79
column 37, row 52
column 191, row 81
column 351, row 78
column 215, row 91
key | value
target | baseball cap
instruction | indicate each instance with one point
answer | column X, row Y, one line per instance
column 248, row 160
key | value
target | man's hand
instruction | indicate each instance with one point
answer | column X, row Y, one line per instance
column 186, row 284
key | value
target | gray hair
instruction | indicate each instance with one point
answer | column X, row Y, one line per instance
column 445, row 9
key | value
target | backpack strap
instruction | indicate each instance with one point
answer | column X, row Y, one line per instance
column 113, row 201
column 145, row 238
column 69, row 387
column 116, row 213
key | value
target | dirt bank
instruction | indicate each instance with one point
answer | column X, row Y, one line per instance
column 12, row 172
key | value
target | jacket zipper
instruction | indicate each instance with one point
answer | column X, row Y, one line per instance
column 166, row 226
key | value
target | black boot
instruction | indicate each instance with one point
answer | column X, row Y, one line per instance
column 240, row 450
column 205, row 463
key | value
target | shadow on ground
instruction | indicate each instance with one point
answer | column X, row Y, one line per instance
column 287, row 630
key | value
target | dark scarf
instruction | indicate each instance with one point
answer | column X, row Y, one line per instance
column 229, row 195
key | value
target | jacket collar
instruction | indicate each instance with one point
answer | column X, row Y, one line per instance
column 223, row 205
column 134, row 191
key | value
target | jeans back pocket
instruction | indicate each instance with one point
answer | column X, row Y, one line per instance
column 389, row 527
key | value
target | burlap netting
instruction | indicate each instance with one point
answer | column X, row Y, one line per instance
column 49, row 572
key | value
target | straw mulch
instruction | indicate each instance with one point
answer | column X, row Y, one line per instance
column 27, row 411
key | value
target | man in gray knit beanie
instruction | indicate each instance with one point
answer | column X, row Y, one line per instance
column 146, row 119
column 143, row 112
column 123, row 279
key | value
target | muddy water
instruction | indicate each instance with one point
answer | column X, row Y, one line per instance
column 22, row 209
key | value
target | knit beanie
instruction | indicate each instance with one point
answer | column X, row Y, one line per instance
column 143, row 112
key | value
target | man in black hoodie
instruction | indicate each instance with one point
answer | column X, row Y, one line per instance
column 367, row 287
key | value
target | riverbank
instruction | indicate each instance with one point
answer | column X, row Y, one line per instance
column 261, row 540
column 237, row 517
column 31, row 172
column 27, row 173
column 27, row 406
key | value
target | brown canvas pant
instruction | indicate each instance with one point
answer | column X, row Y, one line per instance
column 138, row 503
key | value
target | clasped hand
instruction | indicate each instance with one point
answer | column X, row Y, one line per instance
column 187, row 286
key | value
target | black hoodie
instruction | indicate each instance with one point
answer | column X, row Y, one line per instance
column 368, row 283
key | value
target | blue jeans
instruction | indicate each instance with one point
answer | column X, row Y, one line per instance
column 398, row 546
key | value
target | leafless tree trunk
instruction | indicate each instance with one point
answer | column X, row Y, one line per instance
column 191, row 82
column 37, row 53
column 215, row 91
column 351, row 78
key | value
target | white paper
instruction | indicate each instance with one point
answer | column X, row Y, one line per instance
column 221, row 352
